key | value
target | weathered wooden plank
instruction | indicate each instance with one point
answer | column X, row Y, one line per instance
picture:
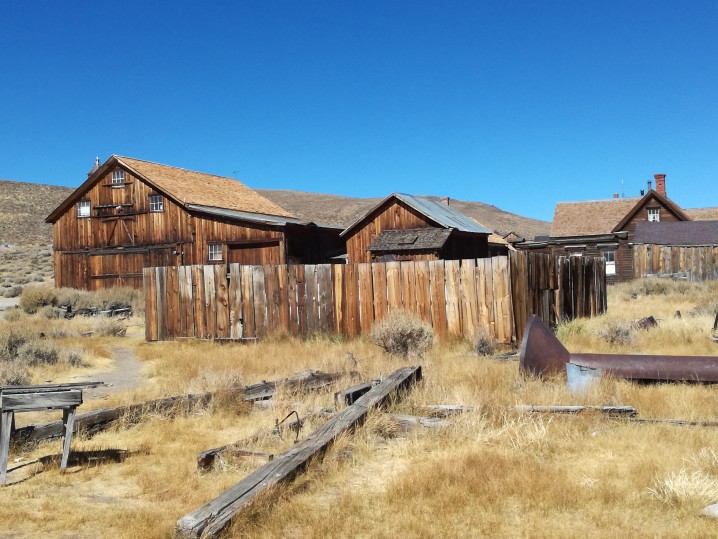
column 210, row 310
column 325, row 290
column 200, row 319
column 409, row 423
column 301, row 300
column 161, row 277
column 249, row 328
column 408, row 286
column 206, row 459
column 502, row 302
column 393, row 285
column 438, row 297
column 423, row 291
column 378, row 271
column 210, row 519
column 339, row 298
column 28, row 402
column 469, row 298
column 453, row 293
column 366, row 298
column 283, row 297
column 351, row 316
column 260, row 301
column 610, row 410
column 173, row 304
column 235, row 301
column 150, row 289
column 6, row 420
column 186, row 296
column 312, row 293
column 271, row 288
column 351, row 394
column 485, row 295
column 221, row 301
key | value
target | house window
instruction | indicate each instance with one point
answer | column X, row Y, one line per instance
column 118, row 178
column 654, row 215
column 215, row 252
column 156, row 203
column 83, row 208
column 610, row 258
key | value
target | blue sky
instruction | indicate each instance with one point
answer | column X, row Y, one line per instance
column 516, row 104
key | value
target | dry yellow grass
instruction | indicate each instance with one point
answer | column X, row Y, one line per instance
column 492, row 472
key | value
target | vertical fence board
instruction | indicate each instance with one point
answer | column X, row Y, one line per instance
column 393, row 285
column 469, row 301
column 339, row 298
column 260, row 301
column 312, row 309
column 423, row 291
column 271, row 289
column 485, row 295
column 366, row 298
column 210, row 309
column 408, row 286
column 150, row 289
column 438, row 296
column 326, row 298
column 502, row 301
column 380, row 291
column 235, row 301
column 222, row 301
column 249, row 328
column 453, row 291
column 351, row 316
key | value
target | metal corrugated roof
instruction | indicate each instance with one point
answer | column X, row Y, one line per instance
column 441, row 213
column 263, row 218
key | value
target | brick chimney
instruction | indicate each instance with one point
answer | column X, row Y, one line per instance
column 660, row 183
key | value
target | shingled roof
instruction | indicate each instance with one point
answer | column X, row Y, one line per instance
column 185, row 187
column 189, row 187
column 677, row 233
column 412, row 239
column 590, row 218
column 703, row 214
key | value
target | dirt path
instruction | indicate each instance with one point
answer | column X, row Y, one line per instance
column 6, row 303
column 125, row 375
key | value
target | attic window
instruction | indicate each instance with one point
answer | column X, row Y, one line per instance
column 654, row 215
column 118, row 178
column 156, row 203
column 83, row 208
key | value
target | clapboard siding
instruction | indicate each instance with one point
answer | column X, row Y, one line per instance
column 694, row 263
column 456, row 297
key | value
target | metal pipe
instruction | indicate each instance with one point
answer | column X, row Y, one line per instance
column 542, row 353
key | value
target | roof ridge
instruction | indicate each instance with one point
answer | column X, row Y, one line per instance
column 176, row 168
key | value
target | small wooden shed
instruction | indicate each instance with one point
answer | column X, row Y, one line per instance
column 409, row 227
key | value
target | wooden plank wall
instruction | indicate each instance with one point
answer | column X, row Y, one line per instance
column 456, row 297
column 698, row 263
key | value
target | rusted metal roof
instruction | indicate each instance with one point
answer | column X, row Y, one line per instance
column 413, row 239
column 677, row 233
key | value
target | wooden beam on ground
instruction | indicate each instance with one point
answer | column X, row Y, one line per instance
column 351, row 394
column 213, row 517
column 206, row 459
column 610, row 410
column 446, row 410
column 98, row 420
column 680, row 422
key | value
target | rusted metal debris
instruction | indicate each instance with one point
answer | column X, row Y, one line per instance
column 542, row 353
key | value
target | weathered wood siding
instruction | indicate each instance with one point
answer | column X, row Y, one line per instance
column 456, row 296
column 122, row 236
column 694, row 263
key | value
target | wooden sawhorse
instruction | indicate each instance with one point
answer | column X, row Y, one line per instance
column 65, row 397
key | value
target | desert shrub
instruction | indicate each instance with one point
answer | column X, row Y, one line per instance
column 112, row 298
column 484, row 342
column 11, row 339
column 39, row 352
column 402, row 334
column 12, row 315
column 75, row 357
column 12, row 291
column 617, row 332
column 112, row 328
column 49, row 312
column 13, row 374
column 35, row 297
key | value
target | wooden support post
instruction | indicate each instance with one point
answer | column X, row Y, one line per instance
column 5, row 427
column 68, row 421
column 213, row 517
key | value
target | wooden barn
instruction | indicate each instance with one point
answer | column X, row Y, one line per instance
column 130, row 214
column 407, row 227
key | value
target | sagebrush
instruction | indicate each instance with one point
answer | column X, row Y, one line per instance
column 402, row 334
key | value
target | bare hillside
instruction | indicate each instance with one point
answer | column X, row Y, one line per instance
column 23, row 208
column 339, row 210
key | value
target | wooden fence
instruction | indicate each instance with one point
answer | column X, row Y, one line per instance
column 692, row 263
column 455, row 296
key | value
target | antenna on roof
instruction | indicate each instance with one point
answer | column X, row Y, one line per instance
column 622, row 193
column 234, row 173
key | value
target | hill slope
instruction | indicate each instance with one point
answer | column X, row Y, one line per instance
column 339, row 210
column 23, row 208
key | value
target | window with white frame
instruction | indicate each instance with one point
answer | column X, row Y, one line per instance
column 215, row 252
column 118, row 178
column 156, row 203
column 610, row 258
column 83, row 208
column 654, row 215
